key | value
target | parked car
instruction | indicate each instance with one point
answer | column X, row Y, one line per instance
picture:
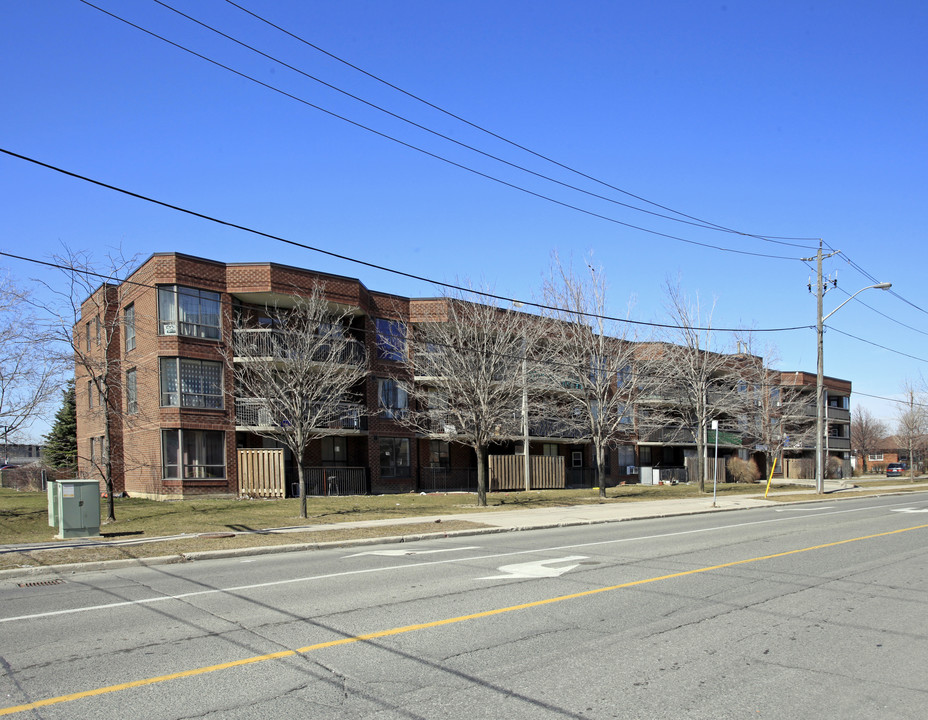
column 894, row 469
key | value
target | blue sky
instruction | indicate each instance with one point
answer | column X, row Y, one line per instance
column 788, row 119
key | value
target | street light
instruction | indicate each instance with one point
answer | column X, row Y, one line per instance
column 820, row 376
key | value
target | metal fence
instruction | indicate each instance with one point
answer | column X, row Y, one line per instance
column 447, row 480
column 333, row 481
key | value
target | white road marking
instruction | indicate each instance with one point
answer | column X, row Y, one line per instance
column 798, row 509
column 910, row 510
column 537, row 569
column 399, row 553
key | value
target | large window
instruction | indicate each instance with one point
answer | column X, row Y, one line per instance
column 394, row 457
column 333, row 451
column 191, row 383
column 391, row 339
column 129, row 325
column 439, row 454
column 188, row 311
column 392, row 398
column 132, row 396
column 192, row 454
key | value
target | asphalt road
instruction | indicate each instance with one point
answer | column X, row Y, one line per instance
column 801, row 611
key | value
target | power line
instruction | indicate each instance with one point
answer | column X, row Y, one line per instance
column 701, row 223
column 357, row 261
column 694, row 223
column 435, row 155
column 882, row 347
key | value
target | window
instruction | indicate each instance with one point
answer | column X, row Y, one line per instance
column 132, row 401
column 624, row 376
column 88, row 336
column 439, row 454
column 549, row 450
column 394, row 457
column 392, row 398
column 391, row 340
column 875, row 457
column 576, row 459
column 96, row 322
column 129, row 324
column 188, row 311
column 333, row 450
column 191, row 383
column 90, row 394
column 191, row 454
column 93, row 450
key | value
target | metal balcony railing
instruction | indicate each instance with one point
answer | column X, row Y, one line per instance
column 264, row 413
column 270, row 344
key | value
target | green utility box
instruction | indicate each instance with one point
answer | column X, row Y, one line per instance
column 52, row 503
column 77, row 508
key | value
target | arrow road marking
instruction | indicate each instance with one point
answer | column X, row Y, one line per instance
column 398, row 553
column 537, row 569
column 911, row 510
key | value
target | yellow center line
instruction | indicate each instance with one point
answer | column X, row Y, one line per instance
column 425, row 626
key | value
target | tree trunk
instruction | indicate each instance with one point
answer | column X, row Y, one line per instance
column 302, row 483
column 108, row 463
column 600, row 472
column 481, row 475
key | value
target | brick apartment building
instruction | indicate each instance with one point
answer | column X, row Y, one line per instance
column 157, row 350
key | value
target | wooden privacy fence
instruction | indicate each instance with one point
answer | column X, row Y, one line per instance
column 507, row 472
column 261, row 472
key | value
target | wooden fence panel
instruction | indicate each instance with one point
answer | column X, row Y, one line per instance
column 507, row 472
column 261, row 472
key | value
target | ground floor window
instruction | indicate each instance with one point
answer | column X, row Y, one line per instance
column 394, row 457
column 626, row 455
column 875, row 457
column 192, row 454
column 334, row 451
column 439, row 454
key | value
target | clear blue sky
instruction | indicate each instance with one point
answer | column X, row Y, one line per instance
column 794, row 119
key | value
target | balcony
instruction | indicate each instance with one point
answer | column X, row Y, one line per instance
column 267, row 344
column 261, row 413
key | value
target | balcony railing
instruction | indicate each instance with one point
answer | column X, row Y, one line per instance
column 270, row 344
column 266, row 414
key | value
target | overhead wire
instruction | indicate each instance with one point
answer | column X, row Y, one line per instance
column 702, row 223
column 365, row 263
column 177, row 290
column 413, row 123
column 433, row 155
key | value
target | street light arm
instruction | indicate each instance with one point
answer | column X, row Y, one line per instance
column 878, row 286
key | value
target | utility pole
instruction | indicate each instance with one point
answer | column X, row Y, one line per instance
column 821, row 287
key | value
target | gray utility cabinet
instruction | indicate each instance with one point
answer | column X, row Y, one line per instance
column 74, row 507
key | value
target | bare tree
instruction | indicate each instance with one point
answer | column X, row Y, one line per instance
column 30, row 371
column 87, row 322
column 296, row 370
column 866, row 434
column 702, row 382
column 467, row 361
column 912, row 423
column 773, row 411
column 593, row 364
